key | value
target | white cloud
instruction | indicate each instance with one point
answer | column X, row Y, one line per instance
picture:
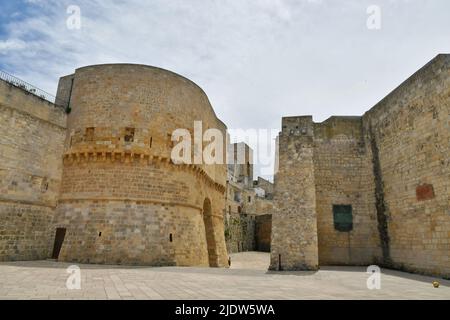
column 257, row 60
column 11, row 45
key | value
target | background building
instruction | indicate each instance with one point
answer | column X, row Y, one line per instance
column 249, row 208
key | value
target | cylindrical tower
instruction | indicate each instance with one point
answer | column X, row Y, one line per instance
column 122, row 199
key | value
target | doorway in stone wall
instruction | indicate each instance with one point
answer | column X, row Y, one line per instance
column 59, row 239
column 209, row 231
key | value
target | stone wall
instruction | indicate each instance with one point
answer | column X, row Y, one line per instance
column 122, row 198
column 240, row 232
column 294, row 223
column 343, row 176
column 391, row 166
column 409, row 135
column 32, row 133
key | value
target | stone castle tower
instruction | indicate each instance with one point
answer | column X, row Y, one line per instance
column 116, row 195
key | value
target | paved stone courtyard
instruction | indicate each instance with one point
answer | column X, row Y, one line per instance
column 247, row 279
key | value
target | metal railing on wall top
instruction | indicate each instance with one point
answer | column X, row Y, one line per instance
column 19, row 83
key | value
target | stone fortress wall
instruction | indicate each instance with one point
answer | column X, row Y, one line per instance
column 343, row 176
column 98, row 186
column 32, row 133
column 294, row 221
column 122, row 200
column 390, row 168
column 409, row 137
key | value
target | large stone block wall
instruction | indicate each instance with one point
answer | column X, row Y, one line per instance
column 110, row 99
column 240, row 232
column 136, row 205
column 118, row 175
column 133, row 232
column 32, row 134
column 25, row 231
column 294, row 223
column 343, row 176
column 409, row 132
column 262, row 206
column 391, row 165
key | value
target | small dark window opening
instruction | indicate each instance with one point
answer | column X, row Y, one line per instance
column 343, row 218
column 59, row 239
column 229, row 209
column 279, row 263
column 100, row 234
column 129, row 135
column 169, row 139
column 239, row 209
column 44, row 186
column 151, row 141
column 249, row 199
column 90, row 134
column 170, row 237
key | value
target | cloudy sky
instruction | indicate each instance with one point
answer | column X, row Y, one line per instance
column 257, row 60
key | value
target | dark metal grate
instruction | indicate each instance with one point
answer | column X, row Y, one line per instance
column 343, row 218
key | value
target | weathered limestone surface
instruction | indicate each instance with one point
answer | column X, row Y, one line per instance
column 104, row 174
column 240, row 232
column 243, row 230
column 410, row 135
column 343, row 176
column 391, row 165
column 32, row 133
column 122, row 199
column 294, row 226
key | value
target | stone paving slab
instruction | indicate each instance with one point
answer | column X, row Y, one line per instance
column 247, row 278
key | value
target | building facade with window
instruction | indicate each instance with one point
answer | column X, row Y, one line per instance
column 245, row 227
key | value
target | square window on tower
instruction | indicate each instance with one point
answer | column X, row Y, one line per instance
column 129, row 135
